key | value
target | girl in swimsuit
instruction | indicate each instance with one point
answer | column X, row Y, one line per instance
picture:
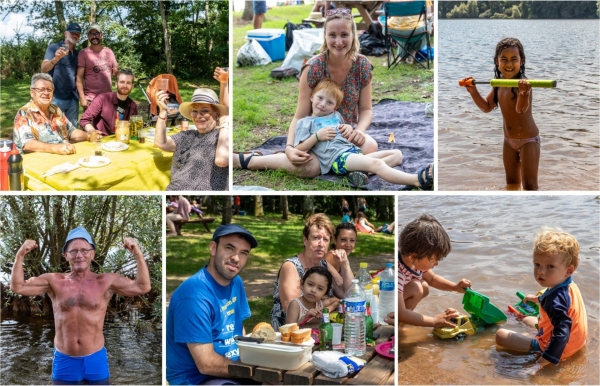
column 521, row 151
column 363, row 225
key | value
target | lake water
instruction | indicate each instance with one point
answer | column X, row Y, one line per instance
column 470, row 141
column 491, row 246
column 27, row 347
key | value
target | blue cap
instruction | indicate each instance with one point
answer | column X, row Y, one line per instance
column 230, row 229
column 79, row 233
column 73, row 27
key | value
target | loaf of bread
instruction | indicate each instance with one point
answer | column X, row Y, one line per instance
column 264, row 330
column 301, row 336
column 286, row 331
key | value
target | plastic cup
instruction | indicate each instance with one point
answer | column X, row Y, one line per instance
column 162, row 84
column 224, row 76
column 337, row 333
column 185, row 124
column 142, row 135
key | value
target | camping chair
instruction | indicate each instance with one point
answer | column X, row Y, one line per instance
column 400, row 42
column 172, row 103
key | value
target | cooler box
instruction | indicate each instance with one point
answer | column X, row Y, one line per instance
column 272, row 40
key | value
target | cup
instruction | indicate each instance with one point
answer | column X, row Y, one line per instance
column 224, row 76
column 142, row 133
column 337, row 333
column 185, row 124
column 135, row 124
column 162, row 84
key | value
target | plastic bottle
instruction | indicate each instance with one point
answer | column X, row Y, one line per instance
column 364, row 279
column 16, row 176
column 354, row 328
column 325, row 332
column 375, row 299
column 4, row 154
column 368, row 323
column 387, row 287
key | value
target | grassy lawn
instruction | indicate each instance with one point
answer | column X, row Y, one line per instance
column 278, row 240
column 263, row 107
column 14, row 94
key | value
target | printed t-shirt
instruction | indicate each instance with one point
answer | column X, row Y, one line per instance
column 98, row 66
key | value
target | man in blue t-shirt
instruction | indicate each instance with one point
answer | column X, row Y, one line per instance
column 206, row 311
column 60, row 61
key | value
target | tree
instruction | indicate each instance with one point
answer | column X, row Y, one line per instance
column 284, row 207
column 258, row 206
column 167, row 35
column 227, row 205
column 248, row 11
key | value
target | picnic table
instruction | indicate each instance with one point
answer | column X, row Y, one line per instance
column 141, row 167
column 378, row 370
column 368, row 11
column 204, row 221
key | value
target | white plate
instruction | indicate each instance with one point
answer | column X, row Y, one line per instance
column 94, row 161
column 151, row 131
column 115, row 146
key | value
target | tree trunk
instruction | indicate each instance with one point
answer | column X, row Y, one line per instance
column 208, row 38
column 284, row 207
column 167, row 35
column 248, row 11
column 258, row 207
column 391, row 201
column 227, row 205
column 60, row 15
column 93, row 8
column 381, row 208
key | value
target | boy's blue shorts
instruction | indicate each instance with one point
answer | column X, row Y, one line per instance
column 535, row 346
column 259, row 7
column 339, row 165
column 384, row 229
column 92, row 368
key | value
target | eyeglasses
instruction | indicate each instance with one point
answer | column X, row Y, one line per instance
column 337, row 11
column 92, row 34
column 42, row 90
column 204, row 112
column 74, row 252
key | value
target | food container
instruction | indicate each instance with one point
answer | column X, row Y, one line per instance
column 273, row 355
column 272, row 40
column 122, row 132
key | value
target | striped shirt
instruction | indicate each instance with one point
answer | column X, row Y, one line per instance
column 406, row 275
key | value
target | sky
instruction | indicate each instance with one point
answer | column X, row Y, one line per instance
column 11, row 22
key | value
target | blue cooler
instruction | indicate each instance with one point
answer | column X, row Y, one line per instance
column 272, row 40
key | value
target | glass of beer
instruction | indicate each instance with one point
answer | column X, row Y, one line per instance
column 224, row 76
column 135, row 124
column 162, row 84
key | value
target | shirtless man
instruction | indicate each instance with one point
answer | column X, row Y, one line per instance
column 79, row 300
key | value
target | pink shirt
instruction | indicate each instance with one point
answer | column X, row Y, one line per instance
column 97, row 76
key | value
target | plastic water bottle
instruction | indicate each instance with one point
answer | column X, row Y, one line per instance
column 387, row 289
column 354, row 328
column 364, row 279
column 375, row 300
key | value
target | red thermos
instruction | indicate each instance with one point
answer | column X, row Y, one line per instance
column 4, row 154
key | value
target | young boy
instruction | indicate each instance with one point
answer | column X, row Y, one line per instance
column 323, row 132
column 562, row 325
column 347, row 217
column 423, row 244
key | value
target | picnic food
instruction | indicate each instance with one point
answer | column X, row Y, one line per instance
column 264, row 330
column 286, row 331
column 301, row 335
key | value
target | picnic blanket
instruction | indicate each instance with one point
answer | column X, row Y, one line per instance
column 413, row 132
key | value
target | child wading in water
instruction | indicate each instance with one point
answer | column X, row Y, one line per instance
column 315, row 284
column 521, row 151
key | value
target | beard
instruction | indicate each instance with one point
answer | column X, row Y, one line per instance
column 96, row 41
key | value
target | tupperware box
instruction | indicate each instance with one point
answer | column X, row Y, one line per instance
column 272, row 40
column 279, row 356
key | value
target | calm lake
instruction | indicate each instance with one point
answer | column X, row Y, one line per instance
column 491, row 246
column 567, row 116
column 27, row 347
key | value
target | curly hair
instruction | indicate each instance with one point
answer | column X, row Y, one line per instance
column 501, row 46
column 425, row 238
column 320, row 220
column 319, row 270
column 556, row 240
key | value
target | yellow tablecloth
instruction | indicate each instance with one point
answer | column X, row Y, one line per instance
column 141, row 167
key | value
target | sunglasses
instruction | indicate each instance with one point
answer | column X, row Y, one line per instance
column 337, row 11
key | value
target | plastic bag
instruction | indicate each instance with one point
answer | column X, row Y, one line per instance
column 306, row 43
column 252, row 54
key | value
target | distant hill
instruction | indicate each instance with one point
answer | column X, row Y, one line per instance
column 474, row 9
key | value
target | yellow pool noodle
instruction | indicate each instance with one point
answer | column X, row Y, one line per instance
column 515, row 83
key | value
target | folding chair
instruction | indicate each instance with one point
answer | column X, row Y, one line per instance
column 400, row 42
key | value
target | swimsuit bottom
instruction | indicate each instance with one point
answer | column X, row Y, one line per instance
column 339, row 165
column 517, row 143
column 92, row 368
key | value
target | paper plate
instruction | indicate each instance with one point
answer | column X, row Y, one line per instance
column 115, row 146
column 384, row 348
column 94, row 161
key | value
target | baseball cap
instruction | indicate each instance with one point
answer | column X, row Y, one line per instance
column 96, row 27
column 78, row 233
column 230, row 229
column 74, row 27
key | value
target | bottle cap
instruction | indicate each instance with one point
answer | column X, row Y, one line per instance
column 388, row 265
column 363, row 265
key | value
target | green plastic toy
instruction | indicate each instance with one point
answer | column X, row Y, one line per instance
column 523, row 308
column 541, row 83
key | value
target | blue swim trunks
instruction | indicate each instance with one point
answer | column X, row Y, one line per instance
column 535, row 346
column 91, row 368
column 259, row 7
column 384, row 229
column 339, row 165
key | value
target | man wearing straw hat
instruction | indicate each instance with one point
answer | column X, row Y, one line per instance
column 201, row 155
column 79, row 301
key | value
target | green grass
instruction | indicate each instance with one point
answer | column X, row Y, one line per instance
column 14, row 94
column 264, row 107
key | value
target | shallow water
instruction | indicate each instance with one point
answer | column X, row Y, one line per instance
column 491, row 246
column 27, row 347
column 567, row 116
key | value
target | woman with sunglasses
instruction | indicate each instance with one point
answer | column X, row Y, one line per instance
column 201, row 156
column 339, row 60
column 41, row 126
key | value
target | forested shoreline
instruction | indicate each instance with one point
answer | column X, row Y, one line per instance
column 474, row 9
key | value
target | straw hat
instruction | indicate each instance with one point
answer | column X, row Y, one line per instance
column 316, row 16
column 205, row 96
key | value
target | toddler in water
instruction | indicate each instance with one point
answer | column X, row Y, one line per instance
column 521, row 151
column 323, row 132
column 562, row 324
column 315, row 284
column 423, row 244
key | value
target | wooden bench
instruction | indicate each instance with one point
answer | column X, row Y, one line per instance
column 203, row 221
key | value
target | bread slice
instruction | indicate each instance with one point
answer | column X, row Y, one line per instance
column 301, row 336
column 264, row 330
column 286, row 331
